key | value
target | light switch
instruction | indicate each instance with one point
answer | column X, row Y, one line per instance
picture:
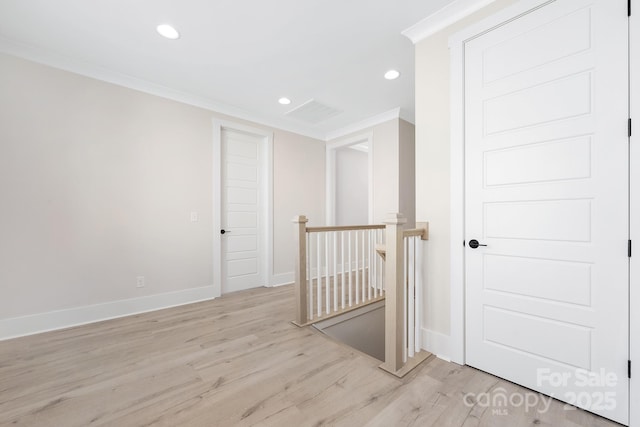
column 194, row 216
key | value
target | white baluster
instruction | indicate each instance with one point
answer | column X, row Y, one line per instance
column 342, row 265
column 319, row 274
column 418, row 334
column 364, row 266
column 327, row 276
column 381, row 265
column 335, row 270
column 411, row 295
column 357, row 268
column 370, row 252
column 405, row 284
column 374, row 274
column 349, row 271
column 309, row 278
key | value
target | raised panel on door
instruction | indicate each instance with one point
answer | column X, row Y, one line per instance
column 546, row 189
column 242, row 257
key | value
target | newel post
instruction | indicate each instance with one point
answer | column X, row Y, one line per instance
column 394, row 294
column 300, row 236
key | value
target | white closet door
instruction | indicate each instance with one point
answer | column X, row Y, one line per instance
column 546, row 146
column 242, row 252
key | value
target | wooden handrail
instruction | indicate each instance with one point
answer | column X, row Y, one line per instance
column 421, row 230
column 345, row 228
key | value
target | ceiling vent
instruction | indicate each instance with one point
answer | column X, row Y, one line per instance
column 313, row 112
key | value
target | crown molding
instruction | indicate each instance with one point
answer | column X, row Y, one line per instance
column 396, row 113
column 444, row 17
column 59, row 61
column 407, row 116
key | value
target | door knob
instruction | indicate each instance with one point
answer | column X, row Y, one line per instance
column 224, row 231
column 474, row 244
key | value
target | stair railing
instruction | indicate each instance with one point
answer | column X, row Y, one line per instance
column 336, row 269
column 339, row 269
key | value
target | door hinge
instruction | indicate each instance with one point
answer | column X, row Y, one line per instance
column 629, row 127
column 629, row 249
column 629, row 368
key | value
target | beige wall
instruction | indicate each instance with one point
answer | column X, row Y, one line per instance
column 393, row 168
column 407, row 172
column 386, row 179
column 432, row 163
column 97, row 183
column 298, row 189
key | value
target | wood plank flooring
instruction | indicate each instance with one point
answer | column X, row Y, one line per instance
column 237, row 361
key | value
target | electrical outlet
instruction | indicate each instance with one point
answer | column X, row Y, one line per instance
column 140, row 282
column 194, row 216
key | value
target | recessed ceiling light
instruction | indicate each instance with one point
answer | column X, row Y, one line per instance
column 168, row 31
column 392, row 74
column 284, row 101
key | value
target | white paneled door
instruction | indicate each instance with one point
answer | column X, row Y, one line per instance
column 242, row 231
column 546, row 184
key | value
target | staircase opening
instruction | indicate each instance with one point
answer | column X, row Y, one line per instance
column 362, row 329
column 362, row 285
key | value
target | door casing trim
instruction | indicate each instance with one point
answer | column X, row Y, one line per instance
column 634, row 206
column 331, row 174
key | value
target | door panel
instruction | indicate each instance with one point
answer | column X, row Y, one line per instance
column 555, row 280
column 546, row 184
column 555, row 220
column 558, row 160
column 554, row 100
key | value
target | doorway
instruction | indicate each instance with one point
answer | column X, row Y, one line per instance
column 242, row 206
column 350, row 181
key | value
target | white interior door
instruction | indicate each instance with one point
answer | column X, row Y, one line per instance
column 242, row 200
column 546, row 185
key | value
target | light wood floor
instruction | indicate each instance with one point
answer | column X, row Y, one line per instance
column 235, row 361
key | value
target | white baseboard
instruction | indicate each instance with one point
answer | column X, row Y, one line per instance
column 61, row 319
column 282, row 279
column 436, row 343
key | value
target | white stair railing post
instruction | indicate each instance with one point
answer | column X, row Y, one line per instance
column 395, row 292
column 300, row 223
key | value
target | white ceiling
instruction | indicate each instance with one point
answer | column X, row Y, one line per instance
column 235, row 56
